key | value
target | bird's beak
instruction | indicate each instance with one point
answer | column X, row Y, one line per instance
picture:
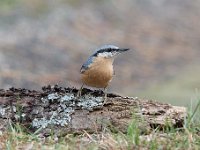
column 123, row 49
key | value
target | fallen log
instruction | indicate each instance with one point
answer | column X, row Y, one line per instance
column 58, row 110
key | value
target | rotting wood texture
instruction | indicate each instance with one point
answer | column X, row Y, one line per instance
column 58, row 110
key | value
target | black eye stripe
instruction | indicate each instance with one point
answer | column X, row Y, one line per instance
column 105, row 50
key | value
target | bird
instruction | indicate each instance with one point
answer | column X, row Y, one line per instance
column 98, row 70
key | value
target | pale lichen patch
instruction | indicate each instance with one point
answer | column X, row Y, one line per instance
column 53, row 96
column 37, row 123
column 67, row 98
column 2, row 111
column 60, row 116
column 61, row 119
column 61, row 107
column 89, row 102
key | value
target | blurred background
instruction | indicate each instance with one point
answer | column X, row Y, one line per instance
column 46, row 41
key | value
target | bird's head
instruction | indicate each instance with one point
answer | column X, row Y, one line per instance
column 109, row 51
column 106, row 52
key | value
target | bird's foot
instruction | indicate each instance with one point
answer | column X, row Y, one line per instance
column 79, row 93
column 105, row 99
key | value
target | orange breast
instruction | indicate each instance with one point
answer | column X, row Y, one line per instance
column 99, row 73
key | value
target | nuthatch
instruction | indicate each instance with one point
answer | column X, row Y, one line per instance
column 98, row 71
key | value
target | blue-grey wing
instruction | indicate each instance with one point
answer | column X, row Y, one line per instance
column 87, row 64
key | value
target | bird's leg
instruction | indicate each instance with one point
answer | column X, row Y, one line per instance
column 79, row 91
column 105, row 95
